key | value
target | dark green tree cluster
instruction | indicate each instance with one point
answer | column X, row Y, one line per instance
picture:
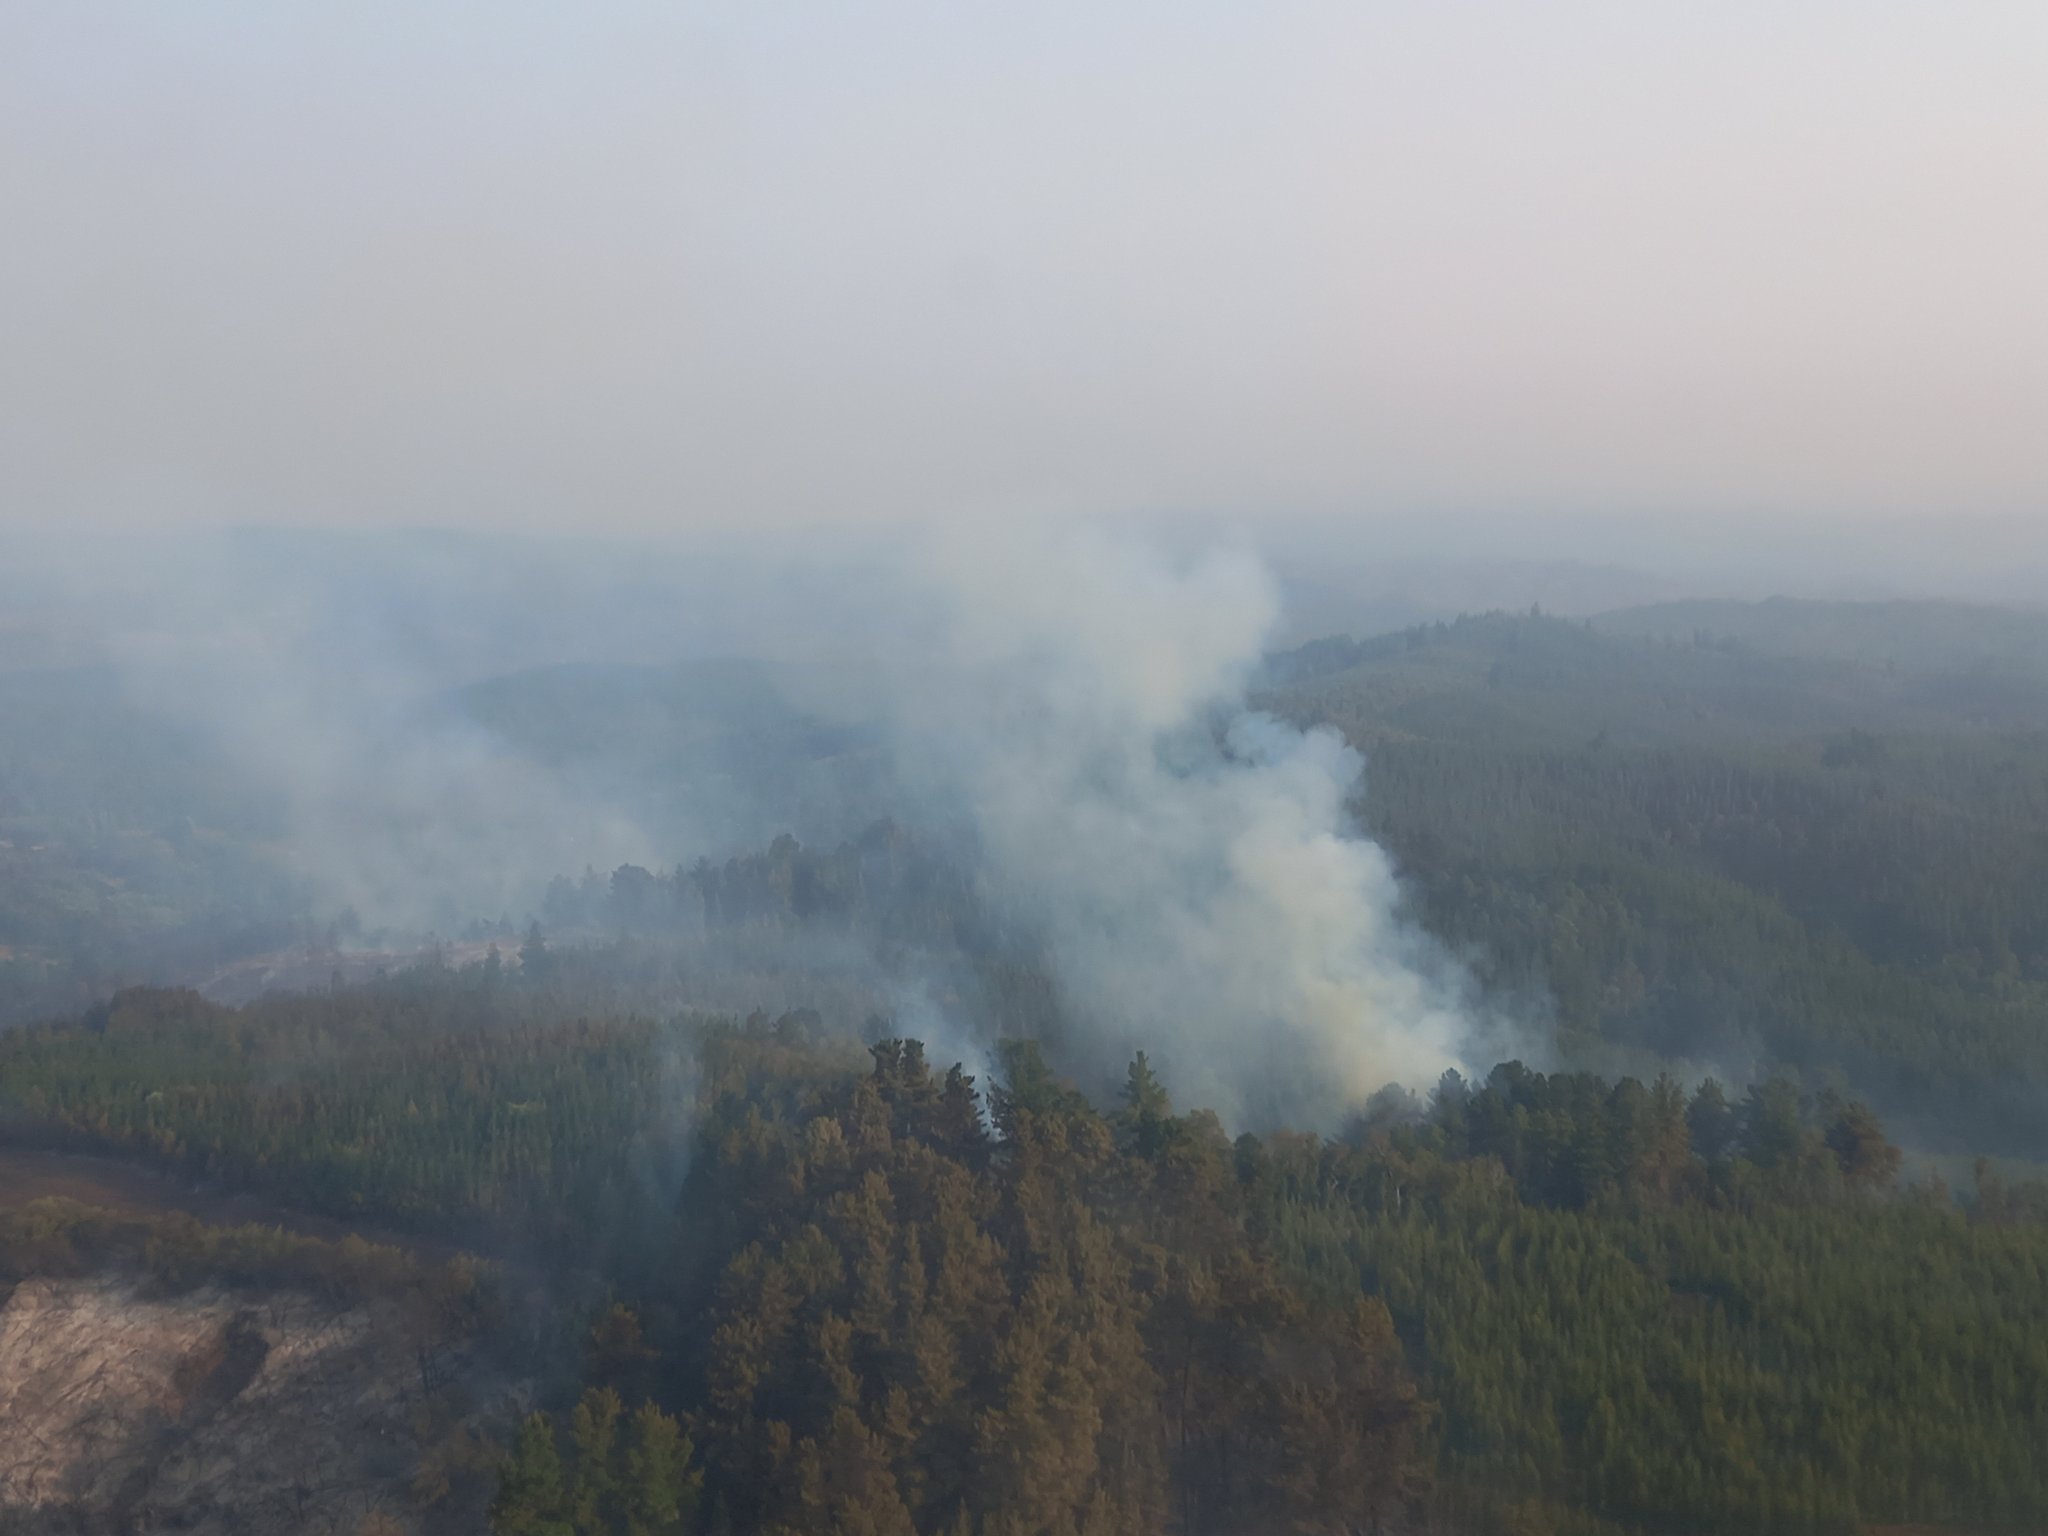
column 440, row 1101
column 878, row 1301
column 619, row 1474
column 1757, row 1334
column 1574, row 1140
column 1052, row 1321
column 890, row 885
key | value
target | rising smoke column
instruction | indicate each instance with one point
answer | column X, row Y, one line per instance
column 1191, row 863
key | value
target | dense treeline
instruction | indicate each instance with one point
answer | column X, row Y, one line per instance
column 1690, row 1314
column 1544, row 1304
column 437, row 1097
column 542, row 1100
column 896, row 1315
column 879, row 1300
column 889, row 886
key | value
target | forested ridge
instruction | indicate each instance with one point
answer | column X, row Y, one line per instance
column 821, row 1283
column 864, row 1293
column 1728, row 838
column 1701, row 852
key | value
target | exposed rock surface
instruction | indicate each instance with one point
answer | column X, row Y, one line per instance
column 222, row 1411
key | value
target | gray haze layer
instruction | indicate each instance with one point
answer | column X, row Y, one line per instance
column 649, row 267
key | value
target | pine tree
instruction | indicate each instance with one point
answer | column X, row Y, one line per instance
column 530, row 1499
column 1711, row 1120
column 593, row 1482
column 1858, row 1141
column 1147, row 1112
column 659, row 1492
column 844, row 1486
column 1771, row 1129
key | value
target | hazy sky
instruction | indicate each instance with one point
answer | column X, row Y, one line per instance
column 674, row 265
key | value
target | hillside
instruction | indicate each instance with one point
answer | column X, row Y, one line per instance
column 157, row 1374
column 1921, row 637
column 1658, row 840
column 1696, row 851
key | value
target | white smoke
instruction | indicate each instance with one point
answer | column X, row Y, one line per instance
column 1192, row 864
column 1078, row 699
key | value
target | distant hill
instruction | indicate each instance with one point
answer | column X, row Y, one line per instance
column 129, row 845
column 687, row 749
column 1324, row 592
column 1911, row 636
column 1821, row 842
column 137, row 844
column 1559, row 682
column 656, row 716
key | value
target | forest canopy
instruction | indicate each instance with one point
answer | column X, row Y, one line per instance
column 849, row 1289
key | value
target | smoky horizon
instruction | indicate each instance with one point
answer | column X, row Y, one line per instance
column 676, row 270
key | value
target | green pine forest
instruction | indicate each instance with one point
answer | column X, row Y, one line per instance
column 822, row 1287
column 1755, row 1240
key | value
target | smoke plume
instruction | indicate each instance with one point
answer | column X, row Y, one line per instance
column 1191, row 863
column 1076, row 700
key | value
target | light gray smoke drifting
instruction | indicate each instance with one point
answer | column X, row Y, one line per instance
column 1191, row 863
column 1187, row 866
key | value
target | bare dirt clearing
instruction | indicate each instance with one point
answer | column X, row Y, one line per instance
column 218, row 1410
